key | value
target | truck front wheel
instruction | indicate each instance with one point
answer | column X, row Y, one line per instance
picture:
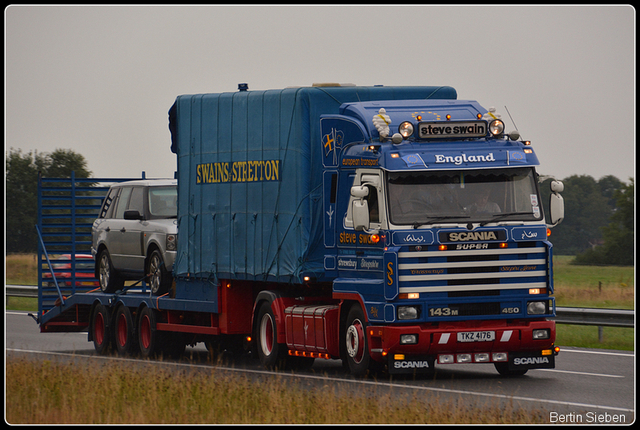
column 503, row 369
column 269, row 350
column 357, row 349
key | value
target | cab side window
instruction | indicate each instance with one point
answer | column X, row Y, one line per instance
column 372, row 202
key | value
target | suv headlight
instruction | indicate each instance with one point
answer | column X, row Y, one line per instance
column 172, row 240
column 408, row 312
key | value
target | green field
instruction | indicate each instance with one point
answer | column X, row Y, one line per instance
column 611, row 287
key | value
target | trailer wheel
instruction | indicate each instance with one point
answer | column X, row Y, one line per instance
column 270, row 351
column 149, row 339
column 124, row 331
column 109, row 280
column 159, row 277
column 358, row 358
column 100, row 329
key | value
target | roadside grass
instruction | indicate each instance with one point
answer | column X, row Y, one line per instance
column 40, row 392
column 21, row 269
column 583, row 336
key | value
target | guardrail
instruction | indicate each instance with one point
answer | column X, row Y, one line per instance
column 564, row 315
column 599, row 317
column 21, row 291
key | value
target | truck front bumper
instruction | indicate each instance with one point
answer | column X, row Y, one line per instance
column 523, row 344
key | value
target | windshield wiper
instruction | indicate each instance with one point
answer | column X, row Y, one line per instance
column 439, row 218
column 498, row 217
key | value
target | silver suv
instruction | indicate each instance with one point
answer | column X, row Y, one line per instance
column 135, row 235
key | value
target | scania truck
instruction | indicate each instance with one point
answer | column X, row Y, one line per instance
column 393, row 228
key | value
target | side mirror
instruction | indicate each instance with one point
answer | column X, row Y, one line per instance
column 359, row 191
column 556, row 203
column 556, row 209
column 360, row 207
column 360, row 215
column 556, row 186
column 132, row 215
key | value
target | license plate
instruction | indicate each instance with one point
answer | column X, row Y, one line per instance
column 476, row 336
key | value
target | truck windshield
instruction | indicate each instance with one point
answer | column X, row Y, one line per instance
column 418, row 198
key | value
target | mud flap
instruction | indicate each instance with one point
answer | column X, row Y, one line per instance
column 398, row 364
column 531, row 360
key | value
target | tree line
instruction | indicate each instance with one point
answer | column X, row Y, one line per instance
column 598, row 226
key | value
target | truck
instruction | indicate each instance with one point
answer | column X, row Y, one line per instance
column 394, row 228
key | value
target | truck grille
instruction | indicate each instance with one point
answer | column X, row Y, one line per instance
column 517, row 266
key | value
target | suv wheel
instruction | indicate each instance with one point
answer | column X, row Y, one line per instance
column 107, row 276
column 159, row 277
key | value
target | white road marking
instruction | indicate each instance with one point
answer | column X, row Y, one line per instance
column 581, row 373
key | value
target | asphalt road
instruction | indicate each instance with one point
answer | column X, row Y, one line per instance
column 587, row 386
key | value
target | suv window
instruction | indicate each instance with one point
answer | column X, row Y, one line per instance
column 123, row 200
column 162, row 202
column 136, row 203
column 107, row 206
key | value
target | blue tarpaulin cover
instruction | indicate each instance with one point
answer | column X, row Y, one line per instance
column 250, row 178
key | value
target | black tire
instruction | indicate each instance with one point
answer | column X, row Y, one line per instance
column 124, row 332
column 149, row 338
column 356, row 345
column 503, row 369
column 159, row 277
column 108, row 278
column 270, row 352
column 101, row 329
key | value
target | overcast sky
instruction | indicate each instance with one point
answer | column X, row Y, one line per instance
column 100, row 80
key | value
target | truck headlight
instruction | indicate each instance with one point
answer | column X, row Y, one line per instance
column 540, row 334
column 408, row 312
column 536, row 308
column 408, row 339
